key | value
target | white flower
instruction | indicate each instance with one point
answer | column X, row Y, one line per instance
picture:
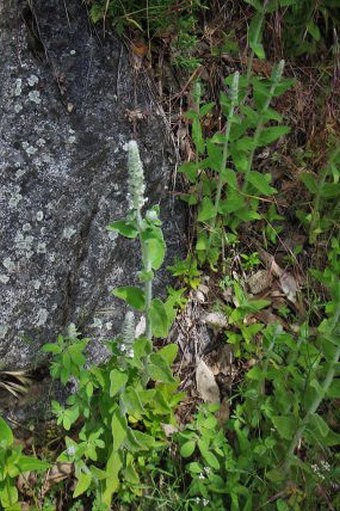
column 201, row 476
column 70, row 451
column 205, row 502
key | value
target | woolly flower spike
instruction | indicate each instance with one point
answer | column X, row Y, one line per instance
column 128, row 330
column 136, row 177
column 234, row 88
column 278, row 71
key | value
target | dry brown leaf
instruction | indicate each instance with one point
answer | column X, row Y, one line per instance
column 289, row 286
column 206, row 384
column 260, row 281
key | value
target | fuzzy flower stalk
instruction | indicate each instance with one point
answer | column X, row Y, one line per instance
column 137, row 200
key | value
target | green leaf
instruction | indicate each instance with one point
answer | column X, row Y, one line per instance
column 8, row 495
column 117, row 381
column 156, row 248
column 119, row 430
column 317, row 424
column 159, row 318
column 269, row 135
column 52, row 348
column 29, row 463
column 83, row 483
column 206, row 210
column 258, row 49
column 113, row 466
column 286, row 425
column 134, row 296
column 333, row 391
column 260, row 182
column 310, row 182
column 314, row 30
column 205, row 109
column 159, row 370
column 194, row 468
column 125, row 228
column 256, row 4
column 6, row 435
column 169, row 353
column 188, row 448
column 208, row 456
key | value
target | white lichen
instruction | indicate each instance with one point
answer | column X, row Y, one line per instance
column 41, row 142
column 34, row 96
column 41, row 317
column 18, row 87
column 73, row 52
column 27, row 227
column 36, row 284
column 41, row 248
column 17, row 108
column 97, row 323
column 8, row 264
column 3, row 331
column 39, row 216
column 71, row 139
column 4, row 279
column 19, row 173
column 68, row 232
column 24, row 243
column 32, row 80
column 29, row 149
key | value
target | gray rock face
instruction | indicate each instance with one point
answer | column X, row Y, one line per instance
column 68, row 97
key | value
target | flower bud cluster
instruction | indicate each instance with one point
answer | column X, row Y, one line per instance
column 136, row 177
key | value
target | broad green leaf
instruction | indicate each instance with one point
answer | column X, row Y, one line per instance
column 232, row 203
column 194, row 467
column 159, row 370
column 113, row 466
column 330, row 190
column 190, row 169
column 334, row 390
column 31, row 464
column 145, row 441
column 318, row 424
column 6, row 435
column 83, row 483
column 125, row 228
column 260, row 182
column 258, row 49
column 197, row 136
column 286, row 425
column 132, row 295
column 205, row 109
column 119, row 430
column 276, row 475
column 269, row 135
column 159, row 318
column 202, row 241
column 117, row 381
column 208, row 456
column 314, row 30
column 132, row 402
column 188, row 448
column 156, row 251
column 169, row 353
column 8, row 495
column 206, row 210
column 52, row 348
column 310, row 182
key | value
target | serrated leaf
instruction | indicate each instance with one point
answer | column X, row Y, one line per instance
column 208, row 456
column 318, row 424
column 206, row 210
column 159, row 318
column 269, row 135
column 259, row 182
column 117, row 381
column 134, row 296
column 333, row 391
column 286, row 425
column 125, row 228
column 168, row 353
column 83, row 483
column 159, row 370
column 119, row 430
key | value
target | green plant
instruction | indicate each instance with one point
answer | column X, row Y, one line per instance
column 325, row 189
column 225, row 187
column 276, row 445
column 13, row 463
column 121, row 407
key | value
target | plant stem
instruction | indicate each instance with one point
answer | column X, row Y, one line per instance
column 147, row 268
column 275, row 81
column 234, row 101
